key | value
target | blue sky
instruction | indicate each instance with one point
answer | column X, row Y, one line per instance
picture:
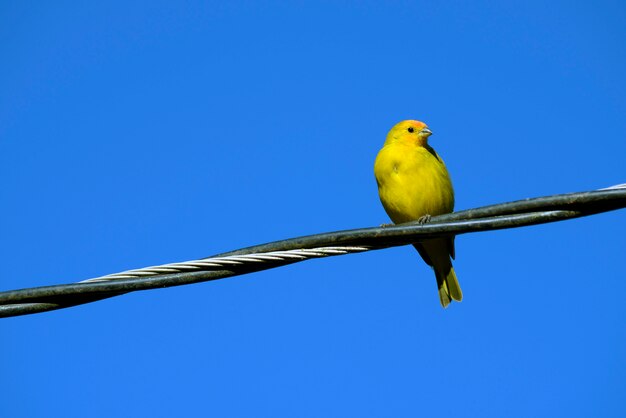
column 141, row 133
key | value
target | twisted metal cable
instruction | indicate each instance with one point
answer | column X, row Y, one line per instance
column 261, row 257
column 232, row 260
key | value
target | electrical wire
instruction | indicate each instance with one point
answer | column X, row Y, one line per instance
column 265, row 256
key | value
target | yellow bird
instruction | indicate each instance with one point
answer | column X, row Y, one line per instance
column 414, row 184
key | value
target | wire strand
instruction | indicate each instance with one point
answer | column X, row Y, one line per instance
column 270, row 255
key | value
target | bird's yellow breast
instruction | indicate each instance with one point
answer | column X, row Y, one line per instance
column 412, row 182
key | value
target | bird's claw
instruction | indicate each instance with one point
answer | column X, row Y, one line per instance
column 423, row 219
column 385, row 225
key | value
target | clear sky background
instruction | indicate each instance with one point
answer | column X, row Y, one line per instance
column 142, row 133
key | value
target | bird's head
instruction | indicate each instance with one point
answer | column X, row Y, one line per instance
column 409, row 132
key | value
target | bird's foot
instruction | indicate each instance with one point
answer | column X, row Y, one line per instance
column 385, row 225
column 423, row 219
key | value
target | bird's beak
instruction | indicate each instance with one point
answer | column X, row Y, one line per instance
column 426, row 132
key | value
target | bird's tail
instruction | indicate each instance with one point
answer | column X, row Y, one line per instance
column 449, row 288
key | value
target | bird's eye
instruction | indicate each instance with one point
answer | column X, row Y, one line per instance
column 411, row 129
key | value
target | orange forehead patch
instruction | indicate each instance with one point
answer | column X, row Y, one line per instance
column 416, row 123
